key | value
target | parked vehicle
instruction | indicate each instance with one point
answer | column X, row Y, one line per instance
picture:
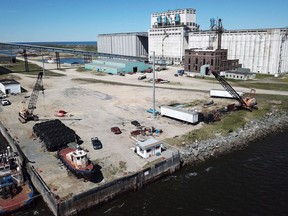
column 116, row 130
column 96, row 143
column 135, row 123
column 141, row 77
column 5, row 102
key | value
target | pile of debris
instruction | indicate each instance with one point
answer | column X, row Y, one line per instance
column 55, row 134
column 140, row 132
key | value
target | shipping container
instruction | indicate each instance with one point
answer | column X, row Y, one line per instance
column 180, row 114
column 222, row 93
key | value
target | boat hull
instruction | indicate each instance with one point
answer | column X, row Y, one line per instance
column 87, row 173
column 20, row 200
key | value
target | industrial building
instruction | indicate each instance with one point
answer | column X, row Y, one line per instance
column 114, row 66
column 130, row 44
column 169, row 34
column 260, row 50
column 174, row 31
column 10, row 86
column 217, row 60
column 240, row 74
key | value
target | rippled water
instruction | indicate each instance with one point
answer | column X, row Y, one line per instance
column 253, row 181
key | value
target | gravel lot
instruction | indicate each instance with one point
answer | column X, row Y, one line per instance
column 94, row 108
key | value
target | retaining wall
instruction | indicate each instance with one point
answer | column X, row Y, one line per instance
column 108, row 191
column 96, row 195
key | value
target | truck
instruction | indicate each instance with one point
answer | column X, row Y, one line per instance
column 180, row 114
column 222, row 93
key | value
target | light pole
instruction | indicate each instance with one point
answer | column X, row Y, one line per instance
column 154, row 113
column 42, row 63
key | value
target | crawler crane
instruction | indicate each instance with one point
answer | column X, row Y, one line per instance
column 244, row 103
column 26, row 113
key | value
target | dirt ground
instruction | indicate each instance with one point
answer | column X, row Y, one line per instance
column 93, row 109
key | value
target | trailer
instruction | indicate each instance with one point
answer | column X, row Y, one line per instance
column 222, row 93
column 180, row 114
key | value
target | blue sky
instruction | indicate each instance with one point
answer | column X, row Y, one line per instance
column 74, row 20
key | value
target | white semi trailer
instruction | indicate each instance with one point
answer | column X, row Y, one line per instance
column 222, row 93
column 180, row 114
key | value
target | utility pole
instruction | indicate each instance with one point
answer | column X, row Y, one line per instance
column 154, row 113
column 220, row 30
column 42, row 62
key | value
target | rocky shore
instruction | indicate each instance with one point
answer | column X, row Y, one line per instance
column 200, row 151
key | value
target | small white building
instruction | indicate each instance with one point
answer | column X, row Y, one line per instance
column 9, row 86
column 240, row 75
column 148, row 148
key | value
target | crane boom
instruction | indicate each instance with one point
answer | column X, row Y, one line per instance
column 228, row 88
column 26, row 114
column 34, row 96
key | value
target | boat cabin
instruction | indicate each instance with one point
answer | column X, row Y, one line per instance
column 78, row 158
column 148, row 148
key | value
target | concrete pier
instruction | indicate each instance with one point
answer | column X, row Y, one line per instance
column 91, row 194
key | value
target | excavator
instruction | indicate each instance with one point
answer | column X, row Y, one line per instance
column 26, row 113
column 247, row 103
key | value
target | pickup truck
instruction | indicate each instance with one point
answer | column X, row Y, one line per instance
column 5, row 102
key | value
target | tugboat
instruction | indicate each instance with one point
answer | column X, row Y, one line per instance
column 77, row 161
column 15, row 193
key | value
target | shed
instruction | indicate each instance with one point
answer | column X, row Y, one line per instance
column 148, row 148
column 114, row 66
column 10, row 86
column 240, row 74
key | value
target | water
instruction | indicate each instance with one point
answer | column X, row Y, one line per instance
column 253, row 181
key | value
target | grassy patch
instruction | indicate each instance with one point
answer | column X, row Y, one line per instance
column 19, row 67
column 232, row 121
column 263, row 76
column 266, row 86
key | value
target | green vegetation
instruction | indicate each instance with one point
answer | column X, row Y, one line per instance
column 90, row 48
column 266, row 86
column 231, row 121
column 19, row 67
column 264, row 81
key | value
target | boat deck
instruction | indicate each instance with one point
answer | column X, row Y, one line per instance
column 14, row 203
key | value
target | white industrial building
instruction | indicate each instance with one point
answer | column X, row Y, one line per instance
column 10, row 86
column 260, row 50
column 130, row 44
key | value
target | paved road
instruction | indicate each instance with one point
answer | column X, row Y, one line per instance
column 187, row 83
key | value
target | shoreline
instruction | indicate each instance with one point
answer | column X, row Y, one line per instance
column 257, row 129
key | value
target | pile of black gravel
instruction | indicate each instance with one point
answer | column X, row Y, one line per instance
column 55, row 134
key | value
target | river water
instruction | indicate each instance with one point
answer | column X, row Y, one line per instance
column 253, row 181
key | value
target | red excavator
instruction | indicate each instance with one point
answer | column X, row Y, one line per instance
column 247, row 103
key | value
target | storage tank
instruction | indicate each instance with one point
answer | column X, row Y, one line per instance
column 177, row 19
column 165, row 20
column 159, row 20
